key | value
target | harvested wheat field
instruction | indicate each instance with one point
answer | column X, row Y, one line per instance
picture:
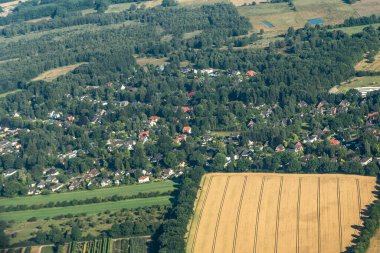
column 260, row 213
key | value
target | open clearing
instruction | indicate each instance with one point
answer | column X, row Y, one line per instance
column 364, row 65
column 52, row 74
column 127, row 190
column 357, row 82
column 262, row 212
column 151, row 60
column 356, row 29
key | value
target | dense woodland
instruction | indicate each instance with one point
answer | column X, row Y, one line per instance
column 298, row 68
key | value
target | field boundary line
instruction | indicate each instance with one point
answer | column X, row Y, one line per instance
column 319, row 213
column 258, row 214
column 298, row 216
column 200, row 213
column 238, row 214
column 219, row 214
column 339, row 214
column 278, row 214
column 359, row 197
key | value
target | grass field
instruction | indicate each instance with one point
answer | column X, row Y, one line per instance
column 262, row 213
column 88, row 209
column 355, row 29
column 357, row 82
column 127, row 190
column 52, row 74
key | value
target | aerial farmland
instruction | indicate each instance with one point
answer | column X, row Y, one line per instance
column 278, row 213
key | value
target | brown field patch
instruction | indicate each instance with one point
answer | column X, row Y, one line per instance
column 367, row 7
column 262, row 212
column 364, row 65
column 52, row 74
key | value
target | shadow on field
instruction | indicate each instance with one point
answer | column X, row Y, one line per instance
column 364, row 215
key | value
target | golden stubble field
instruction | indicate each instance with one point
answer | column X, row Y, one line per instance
column 282, row 213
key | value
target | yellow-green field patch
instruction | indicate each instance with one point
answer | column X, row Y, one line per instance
column 191, row 35
column 52, row 74
column 150, row 60
column 118, row 7
column 364, row 65
column 355, row 29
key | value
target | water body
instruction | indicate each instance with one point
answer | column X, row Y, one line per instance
column 315, row 21
column 268, row 24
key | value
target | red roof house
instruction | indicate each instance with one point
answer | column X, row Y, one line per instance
column 251, row 73
column 70, row 118
column 334, row 142
column 186, row 109
column 186, row 130
column 154, row 118
column 143, row 134
column 190, row 94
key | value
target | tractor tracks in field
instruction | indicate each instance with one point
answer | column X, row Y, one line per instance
column 200, row 213
column 238, row 214
column 219, row 214
column 258, row 214
column 278, row 214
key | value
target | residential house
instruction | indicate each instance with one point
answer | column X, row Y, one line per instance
column 153, row 120
column 311, row 139
column 166, row 173
column 56, row 187
column 70, row 118
column 41, row 184
column 74, row 186
column 280, row 148
column 143, row 179
column 190, row 94
column 51, row 180
column 186, row 130
column 365, row 161
column 250, row 73
column 52, row 172
column 130, row 144
column 334, row 142
column 105, row 182
column 143, row 136
column 186, row 109
column 298, row 148
column 180, row 138
column 372, row 118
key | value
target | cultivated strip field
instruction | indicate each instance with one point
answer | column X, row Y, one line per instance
column 259, row 213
